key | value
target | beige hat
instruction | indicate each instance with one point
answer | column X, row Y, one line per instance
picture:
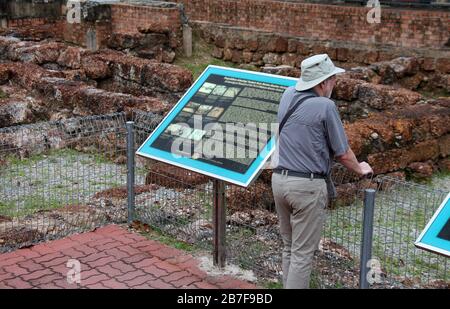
column 315, row 70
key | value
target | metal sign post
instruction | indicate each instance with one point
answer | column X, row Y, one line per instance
column 130, row 171
column 366, row 244
column 219, row 222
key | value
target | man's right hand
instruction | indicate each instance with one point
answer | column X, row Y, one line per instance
column 349, row 160
column 365, row 168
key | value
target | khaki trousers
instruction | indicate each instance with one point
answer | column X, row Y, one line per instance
column 300, row 204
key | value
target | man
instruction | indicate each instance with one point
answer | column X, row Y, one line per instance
column 310, row 136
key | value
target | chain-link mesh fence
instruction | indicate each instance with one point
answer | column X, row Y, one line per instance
column 70, row 176
column 180, row 203
column 402, row 210
column 54, row 176
column 175, row 201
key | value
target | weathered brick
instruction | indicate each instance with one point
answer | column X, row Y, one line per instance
column 120, row 265
column 94, row 280
column 31, row 266
column 113, row 284
column 37, row 274
column 159, row 284
column 19, row 283
column 139, row 280
column 110, row 271
column 130, row 275
column 16, row 270
column 175, row 276
column 185, row 281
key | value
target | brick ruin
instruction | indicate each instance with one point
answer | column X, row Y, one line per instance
column 52, row 69
column 393, row 99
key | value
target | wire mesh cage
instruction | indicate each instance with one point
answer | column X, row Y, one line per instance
column 70, row 176
column 53, row 176
column 402, row 211
column 180, row 204
column 175, row 201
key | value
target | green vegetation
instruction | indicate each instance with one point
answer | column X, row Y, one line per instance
column 54, row 179
column 400, row 214
column 432, row 181
column 436, row 93
column 3, row 95
column 110, row 184
column 315, row 282
column 29, row 205
column 206, row 199
column 441, row 174
column 156, row 234
column 272, row 284
column 201, row 57
column 52, row 155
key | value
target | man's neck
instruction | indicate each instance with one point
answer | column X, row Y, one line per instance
column 319, row 91
column 311, row 91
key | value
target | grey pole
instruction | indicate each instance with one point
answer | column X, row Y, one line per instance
column 366, row 245
column 130, row 170
column 219, row 228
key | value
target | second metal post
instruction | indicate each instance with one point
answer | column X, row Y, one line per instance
column 366, row 245
column 130, row 170
column 219, row 222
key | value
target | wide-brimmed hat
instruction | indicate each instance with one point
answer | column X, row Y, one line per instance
column 315, row 70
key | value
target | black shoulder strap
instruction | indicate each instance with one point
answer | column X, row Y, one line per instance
column 291, row 111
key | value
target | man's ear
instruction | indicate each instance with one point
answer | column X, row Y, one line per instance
column 322, row 85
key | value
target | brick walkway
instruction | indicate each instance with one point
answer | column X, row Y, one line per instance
column 110, row 257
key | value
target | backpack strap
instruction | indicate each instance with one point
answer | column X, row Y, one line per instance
column 291, row 111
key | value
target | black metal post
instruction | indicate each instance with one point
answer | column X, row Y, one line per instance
column 130, row 171
column 366, row 244
column 219, row 222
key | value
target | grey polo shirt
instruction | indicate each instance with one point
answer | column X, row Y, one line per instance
column 312, row 135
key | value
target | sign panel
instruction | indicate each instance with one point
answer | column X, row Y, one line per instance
column 223, row 126
column 436, row 235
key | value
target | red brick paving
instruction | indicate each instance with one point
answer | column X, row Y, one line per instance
column 111, row 257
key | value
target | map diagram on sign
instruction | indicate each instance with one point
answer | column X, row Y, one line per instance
column 223, row 126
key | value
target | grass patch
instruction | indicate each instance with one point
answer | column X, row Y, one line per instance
column 52, row 156
column 201, row 57
column 249, row 254
column 441, row 174
column 109, row 184
column 3, row 95
column 400, row 215
column 272, row 284
column 29, row 205
column 427, row 181
column 156, row 234
column 54, row 179
column 315, row 281
column 436, row 93
column 208, row 205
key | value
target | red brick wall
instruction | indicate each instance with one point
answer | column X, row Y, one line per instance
column 398, row 27
column 27, row 22
column 76, row 32
column 39, row 28
column 132, row 18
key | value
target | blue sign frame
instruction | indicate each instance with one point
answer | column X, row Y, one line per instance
column 146, row 150
column 429, row 238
